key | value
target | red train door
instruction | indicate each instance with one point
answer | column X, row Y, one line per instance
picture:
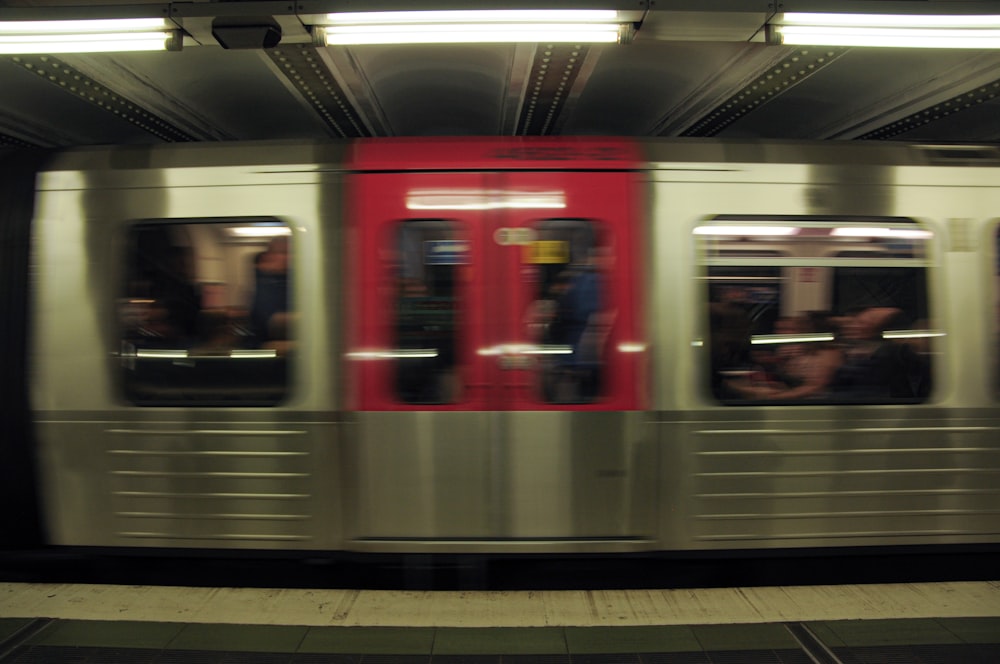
column 503, row 290
column 565, row 291
column 495, row 345
column 418, row 303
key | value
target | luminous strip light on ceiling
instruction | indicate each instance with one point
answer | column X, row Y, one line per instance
column 87, row 36
column 473, row 26
column 887, row 30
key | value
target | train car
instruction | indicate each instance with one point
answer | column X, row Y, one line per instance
column 504, row 345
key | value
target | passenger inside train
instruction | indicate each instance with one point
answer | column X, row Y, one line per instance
column 429, row 260
column 794, row 370
column 271, row 307
column 569, row 318
column 207, row 316
column 853, row 328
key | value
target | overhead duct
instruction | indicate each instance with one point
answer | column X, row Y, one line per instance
column 246, row 32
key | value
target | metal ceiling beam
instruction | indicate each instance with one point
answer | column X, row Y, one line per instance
column 23, row 131
column 946, row 109
column 766, row 86
column 304, row 69
column 971, row 83
column 121, row 92
column 356, row 90
column 6, row 140
column 558, row 74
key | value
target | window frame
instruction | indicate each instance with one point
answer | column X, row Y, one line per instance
column 179, row 358
column 707, row 250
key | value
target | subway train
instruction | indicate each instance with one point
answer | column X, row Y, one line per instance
column 502, row 345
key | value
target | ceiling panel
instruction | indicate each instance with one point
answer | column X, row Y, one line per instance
column 688, row 73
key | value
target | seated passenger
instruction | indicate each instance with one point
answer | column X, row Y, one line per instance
column 280, row 333
column 874, row 368
column 218, row 336
column 271, row 293
column 175, row 289
column 578, row 325
column 730, row 329
column 772, row 362
column 807, row 371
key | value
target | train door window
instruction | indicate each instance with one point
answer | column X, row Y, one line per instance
column 431, row 255
column 805, row 311
column 570, row 316
column 488, row 302
column 206, row 316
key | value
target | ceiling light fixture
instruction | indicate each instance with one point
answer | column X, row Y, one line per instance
column 886, row 30
column 88, row 36
column 474, row 26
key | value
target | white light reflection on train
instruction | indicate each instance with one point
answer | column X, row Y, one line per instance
column 525, row 349
column 484, row 199
column 393, row 354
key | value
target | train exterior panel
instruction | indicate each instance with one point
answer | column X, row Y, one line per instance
column 132, row 455
column 893, row 469
column 500, row 345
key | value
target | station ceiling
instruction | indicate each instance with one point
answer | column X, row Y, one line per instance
column 694, row 68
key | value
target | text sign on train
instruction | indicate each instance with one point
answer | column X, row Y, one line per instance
column 446, row 252
column 507, row 237
column 546, row 252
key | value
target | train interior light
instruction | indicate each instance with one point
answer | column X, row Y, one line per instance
column 258, row 231
column 746, row 231
column 899, row 233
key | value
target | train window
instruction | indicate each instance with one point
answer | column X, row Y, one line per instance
column 837, row 315
column 569, row 319
column 206, row 314
column 432, row 254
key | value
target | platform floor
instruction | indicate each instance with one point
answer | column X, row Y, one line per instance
column 850, row 624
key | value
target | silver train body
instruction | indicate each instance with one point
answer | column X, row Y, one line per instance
column 684, row 470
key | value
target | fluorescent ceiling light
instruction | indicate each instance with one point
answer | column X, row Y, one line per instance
column 899, row 30
column 890, row 20
column 87, row 36
column 476, row 16
column 474, row 26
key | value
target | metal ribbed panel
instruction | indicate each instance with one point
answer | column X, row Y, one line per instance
column 799, row 484
column 211, row 484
